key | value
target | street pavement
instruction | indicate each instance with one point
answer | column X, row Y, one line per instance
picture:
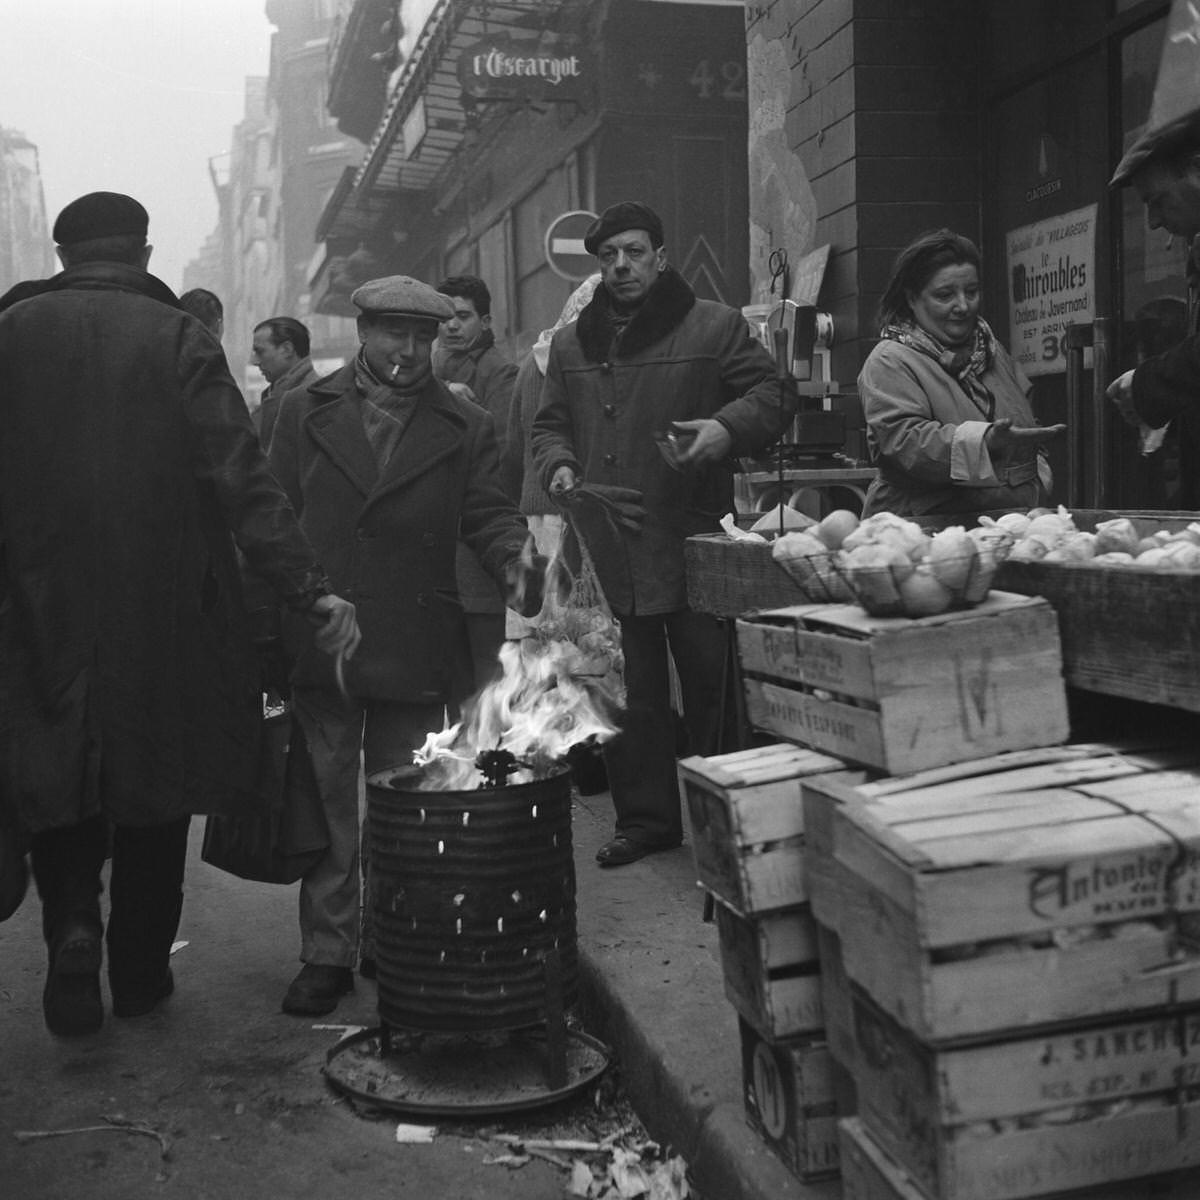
column 653, row 990
column 236, row 1088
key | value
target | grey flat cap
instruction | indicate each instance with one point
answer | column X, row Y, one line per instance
column 402, row 296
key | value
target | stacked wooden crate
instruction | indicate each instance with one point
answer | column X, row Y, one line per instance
column 1019, row 992
column 748, row 838
column 902, row 695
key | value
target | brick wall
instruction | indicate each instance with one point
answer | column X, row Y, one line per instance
column 882, row 119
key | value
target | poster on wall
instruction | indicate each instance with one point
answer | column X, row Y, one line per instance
column 1051, row 284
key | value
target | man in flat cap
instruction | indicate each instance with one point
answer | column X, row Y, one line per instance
column 130, row 695
column 646, row 359
column 387, row 469
column 1163, row 165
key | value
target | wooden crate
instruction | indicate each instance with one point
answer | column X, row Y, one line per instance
column 789, row 1100
column 771, row 969
column 746, row 823
column 870, row 1173
column 1036, row 887
column 904, row 695
column 730, row 576
column 1065, row 1109
column 1124, row 632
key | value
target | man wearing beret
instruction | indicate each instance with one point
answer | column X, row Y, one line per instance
column 644, row 360
column 130, row 695
column 387, row 469
column 1163, row 165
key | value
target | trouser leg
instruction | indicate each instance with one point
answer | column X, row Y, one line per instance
column 330, row 889
column 66, row 868
column 485, row 633
column 146, row 900
column 699, row 648
column 641, row 758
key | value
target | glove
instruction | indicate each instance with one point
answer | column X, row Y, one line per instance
column 623, row 505
column 526, row 585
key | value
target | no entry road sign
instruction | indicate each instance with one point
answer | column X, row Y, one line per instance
column 564, row 245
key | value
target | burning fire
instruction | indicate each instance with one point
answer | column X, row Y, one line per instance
column 544, row 702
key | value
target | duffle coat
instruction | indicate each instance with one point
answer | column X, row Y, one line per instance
column 129, row 683
column 678, row 359
column 387, row 538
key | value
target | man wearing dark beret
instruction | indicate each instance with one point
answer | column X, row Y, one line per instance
column 130, row 695
column 647, row 363
column 386, row 469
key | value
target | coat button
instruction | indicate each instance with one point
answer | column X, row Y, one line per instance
column 610, row 460
column 610, row 410
column 606, row 367
column 422, row 600
column 428, row 539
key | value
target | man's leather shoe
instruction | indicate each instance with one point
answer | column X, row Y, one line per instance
column 622, row 850
column 317, row 989
column 71, row 1002
column 139, row 1004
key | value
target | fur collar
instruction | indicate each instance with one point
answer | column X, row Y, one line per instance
column 666, row 304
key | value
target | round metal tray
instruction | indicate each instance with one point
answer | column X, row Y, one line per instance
column 443, row 1074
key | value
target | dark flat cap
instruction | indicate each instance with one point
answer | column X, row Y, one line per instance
column 402, row 296
column 617, row 218
column 1162, row 142
column 100, row 215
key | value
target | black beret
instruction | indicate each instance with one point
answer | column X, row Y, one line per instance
column 617, row 218
column 100, row 215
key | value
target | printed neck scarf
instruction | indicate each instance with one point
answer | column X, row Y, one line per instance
column 967, row 365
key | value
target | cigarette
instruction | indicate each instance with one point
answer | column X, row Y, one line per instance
column 394, row 371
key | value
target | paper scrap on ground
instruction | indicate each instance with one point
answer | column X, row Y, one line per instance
column 415, row 1134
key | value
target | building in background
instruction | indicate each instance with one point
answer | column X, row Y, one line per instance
column 285, row 158
column 26, row 251
column 485, row 120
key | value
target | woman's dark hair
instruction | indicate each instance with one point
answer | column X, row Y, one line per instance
column 917, row 264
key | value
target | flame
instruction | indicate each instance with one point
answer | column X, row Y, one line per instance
column 544, row 702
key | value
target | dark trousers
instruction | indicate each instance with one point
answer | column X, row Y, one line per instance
column 145, row 892
column 641, row 759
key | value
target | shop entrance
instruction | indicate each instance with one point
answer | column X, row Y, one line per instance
column 1061, row 249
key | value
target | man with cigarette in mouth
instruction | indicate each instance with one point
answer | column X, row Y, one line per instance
column 386, row 469
column 1163, row 165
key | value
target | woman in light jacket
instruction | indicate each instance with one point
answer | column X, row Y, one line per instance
column 949, row 423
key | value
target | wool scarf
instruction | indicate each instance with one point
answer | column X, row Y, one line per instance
column 386, row 409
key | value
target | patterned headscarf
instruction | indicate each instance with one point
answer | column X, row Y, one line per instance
column 967, row 365
column 576, row 303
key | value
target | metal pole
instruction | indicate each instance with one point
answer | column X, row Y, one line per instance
column 1100, row 466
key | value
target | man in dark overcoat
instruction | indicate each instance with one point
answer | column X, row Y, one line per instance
column 647, row 360
column 387, row 469
column 129, row 695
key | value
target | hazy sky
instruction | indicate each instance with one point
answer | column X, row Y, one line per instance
column 132, row 96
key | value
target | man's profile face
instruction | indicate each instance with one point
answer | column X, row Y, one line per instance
column 1172, row 199
column 271, row 359
column 629, row 265
column 398, row 349
column 465, row 328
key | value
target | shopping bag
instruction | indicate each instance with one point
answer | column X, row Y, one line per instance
column 285, row 833
column 575, row 610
